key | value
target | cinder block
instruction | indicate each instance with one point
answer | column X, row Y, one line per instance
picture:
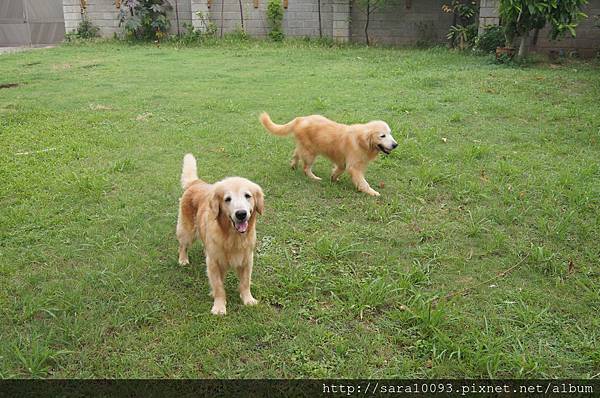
column 488, row 12
column 311, row 24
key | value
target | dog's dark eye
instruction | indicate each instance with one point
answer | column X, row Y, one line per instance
column 248, row 196
column 228, row 199
column 382, row 135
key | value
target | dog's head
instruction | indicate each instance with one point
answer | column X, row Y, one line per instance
column 379, row 136
column 237, row 200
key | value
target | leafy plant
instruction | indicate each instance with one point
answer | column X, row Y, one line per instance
column 462, row 36
column 275, row 19
column 463, row 31
column 208, row 28
column 189, row 35
column 491, row 38
column 522, row 16
column 465, row 11
column 86, row 29
column 145, row 19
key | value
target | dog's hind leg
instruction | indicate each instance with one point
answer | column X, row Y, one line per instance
column 308, row 159
column 336, row 172
column 185, row 236
column 295, row 159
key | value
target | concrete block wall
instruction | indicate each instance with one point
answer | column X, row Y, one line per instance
column 105, row 15
column 488, row 14
column 406, row 22
column 254, row 18
column 301, row 18
column 184, row 11
column 72, row 14
column 199, row 7
column 341, row 19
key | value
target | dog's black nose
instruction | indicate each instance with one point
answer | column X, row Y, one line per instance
column 394, row 145
column 241, row 215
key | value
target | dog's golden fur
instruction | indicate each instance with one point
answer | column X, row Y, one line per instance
column 211, row 212
column 349, row 147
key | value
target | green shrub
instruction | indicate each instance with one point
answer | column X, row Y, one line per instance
column 275, row 19
column 85, row 30
column 189, row 35
column 491, row 38
column 145, row 19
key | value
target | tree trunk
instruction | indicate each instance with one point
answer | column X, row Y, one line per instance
column 451, row 40
column 241, row 14
column 534, row 40
column 523, row 46
column 320, row 28
column 177, row 18
column 367, row 22
column 222, row 5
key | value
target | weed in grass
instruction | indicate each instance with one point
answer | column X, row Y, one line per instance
column 34, row 357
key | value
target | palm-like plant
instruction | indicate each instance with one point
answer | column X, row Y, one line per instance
column 463, row 30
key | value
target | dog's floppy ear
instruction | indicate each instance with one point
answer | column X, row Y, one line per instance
column 366, row 139
column 259, row 200
column 215, row 203
column 372, row 138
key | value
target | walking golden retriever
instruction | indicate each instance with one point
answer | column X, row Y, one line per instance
column 224, row 216
column 349, row 147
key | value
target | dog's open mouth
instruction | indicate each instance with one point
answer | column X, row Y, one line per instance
column 241, row 226
column 384, row 149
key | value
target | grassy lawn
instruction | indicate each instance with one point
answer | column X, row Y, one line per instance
column 498, row 169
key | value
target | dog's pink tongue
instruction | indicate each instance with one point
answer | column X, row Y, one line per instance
column 242, row 227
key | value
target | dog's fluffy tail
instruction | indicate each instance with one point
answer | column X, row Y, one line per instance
column 277, row 129
column 189, row 172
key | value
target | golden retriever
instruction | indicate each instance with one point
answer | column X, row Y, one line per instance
column 224, row 216
column 349, row 147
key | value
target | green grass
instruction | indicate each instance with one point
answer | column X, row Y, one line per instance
column 496, row 165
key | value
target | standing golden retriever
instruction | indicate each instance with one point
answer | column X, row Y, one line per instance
column 224, row 216
column 349, row 147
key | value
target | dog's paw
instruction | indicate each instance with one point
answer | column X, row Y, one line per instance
column 184, row 261
column 218, row 309
column 373, row 192
column 250, row 301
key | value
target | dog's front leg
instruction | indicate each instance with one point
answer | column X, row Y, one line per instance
column 245, row 275
column 215, row 278
column 359, row 180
